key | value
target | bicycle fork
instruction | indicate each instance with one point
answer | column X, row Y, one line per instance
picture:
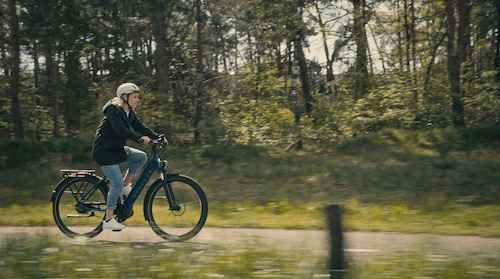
column 169, row 195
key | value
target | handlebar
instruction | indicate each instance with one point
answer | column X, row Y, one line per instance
column 159, row 141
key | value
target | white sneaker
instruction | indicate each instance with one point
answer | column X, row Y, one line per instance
column 126, row 189
column 112, row 225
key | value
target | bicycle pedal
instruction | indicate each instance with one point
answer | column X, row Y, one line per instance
column 116, row 230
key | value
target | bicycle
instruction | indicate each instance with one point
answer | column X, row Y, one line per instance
column 175, row 205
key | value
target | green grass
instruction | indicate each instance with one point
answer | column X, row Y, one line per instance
column 460, row 220
column 418, row 264
column 43, row 256
column 438, row 181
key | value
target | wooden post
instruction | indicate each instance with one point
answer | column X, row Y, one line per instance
column 335, row 230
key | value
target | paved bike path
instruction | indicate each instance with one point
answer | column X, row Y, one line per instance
column 356, row 244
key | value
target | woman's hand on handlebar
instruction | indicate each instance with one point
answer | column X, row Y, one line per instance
column 164, row 138
column 145, row 139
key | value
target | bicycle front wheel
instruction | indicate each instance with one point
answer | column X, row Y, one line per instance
column 71, row 206
column 176, row 208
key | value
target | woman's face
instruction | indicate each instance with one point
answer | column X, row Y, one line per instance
column 133, row 100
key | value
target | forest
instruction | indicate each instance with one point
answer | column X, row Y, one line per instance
column 278, row 73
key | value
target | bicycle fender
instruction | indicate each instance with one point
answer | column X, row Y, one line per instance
column 173, row 174
column 59, row 185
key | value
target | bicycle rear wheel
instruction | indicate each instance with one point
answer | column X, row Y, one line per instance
column 176, row 208
column 71, row 217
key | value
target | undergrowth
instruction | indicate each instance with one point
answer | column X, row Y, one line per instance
column 429, row 177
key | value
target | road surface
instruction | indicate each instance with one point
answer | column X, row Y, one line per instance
column 356, row 244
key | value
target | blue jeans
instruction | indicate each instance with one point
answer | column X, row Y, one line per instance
column 137, row 159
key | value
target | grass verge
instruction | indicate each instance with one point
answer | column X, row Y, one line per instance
column 457, row 220
column 45, row 257
column 440, row 181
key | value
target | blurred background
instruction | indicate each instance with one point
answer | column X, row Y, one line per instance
column 388, row 108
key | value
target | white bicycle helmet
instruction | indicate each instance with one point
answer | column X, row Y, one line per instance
column 127, row 88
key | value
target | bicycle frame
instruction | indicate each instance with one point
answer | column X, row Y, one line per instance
column 153, row 164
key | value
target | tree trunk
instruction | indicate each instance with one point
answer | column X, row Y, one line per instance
column 236, row 36
column 413, row 40
column 361, row 65
column 14, row 82
column 329, row 62
column 431, row 61
column 294, row 70
column 117, row 55
column 162, row 61
column 199, row 78
column 400, row 44
column 36, row 69
column 454, row 68
column 55, row 90
column 497, row 47
column 463, row 47
column 408, row 36
column 304, row 78
column 464, row 30
column 303, row 73
column 53, row 68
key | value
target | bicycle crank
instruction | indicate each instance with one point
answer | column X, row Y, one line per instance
column 123, row 212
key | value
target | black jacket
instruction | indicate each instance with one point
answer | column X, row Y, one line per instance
column 113, row 133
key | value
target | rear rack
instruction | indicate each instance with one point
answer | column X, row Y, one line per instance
column 77, row 173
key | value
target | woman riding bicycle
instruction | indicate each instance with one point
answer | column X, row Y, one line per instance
column 109, row 148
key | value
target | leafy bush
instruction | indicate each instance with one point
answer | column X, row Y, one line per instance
column 329, row 121
column 16, row 153
column 439, row 139
column 480, row 136
column 231, row 153
column 19, row 153
column 385, row 107
column 482, row 102
column 257, row 121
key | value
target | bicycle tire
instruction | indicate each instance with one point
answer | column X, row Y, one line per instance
column 73, row 221
column 178, row 224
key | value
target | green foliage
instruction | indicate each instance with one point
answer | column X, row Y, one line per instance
column 418, row 262
column 480, row 136
column 483, row 101
column 22, row 153
column 397, row 103
column 262, row 80
column 256, row 121
column 387, row 106
column 247, row 72
column 406, row 164
column 230, row 153
column 394, row 103
column 5, row 123
column 383, row 179
column 439, row 139
column 330, row 120
column 156, row 112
